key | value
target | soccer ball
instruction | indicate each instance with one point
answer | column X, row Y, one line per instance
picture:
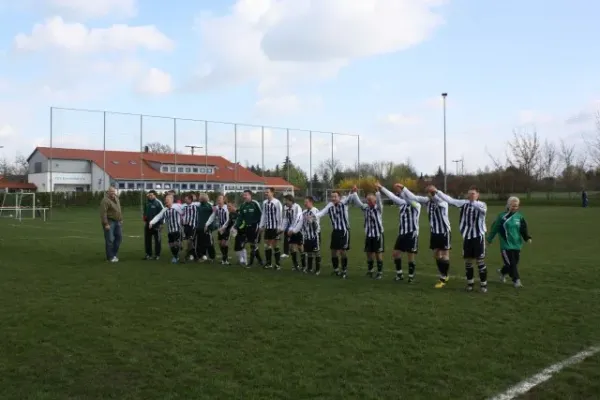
column 10, row 215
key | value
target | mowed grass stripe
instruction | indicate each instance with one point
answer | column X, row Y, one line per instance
column 77, row 327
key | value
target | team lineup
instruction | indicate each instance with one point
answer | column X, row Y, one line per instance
column 190, row 226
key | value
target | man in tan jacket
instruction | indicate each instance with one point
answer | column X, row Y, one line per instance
column 112, row 219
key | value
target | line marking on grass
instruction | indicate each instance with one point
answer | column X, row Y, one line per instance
column 541, row 377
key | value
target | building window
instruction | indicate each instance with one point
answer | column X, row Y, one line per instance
column 158, row 186
column 131, row 185
column 176, row 186
column 217, row 187
column 139, row 186
column 203, row 170
column 184, row 186
column 188, row 170
column 180, row 169
column 193, row 186
column 209, row 170
column 195, row 170
column 209, row 186
column 200, row 186
column 253, row 188
column 37, row 167
column 173, row 169
column 149, row 185
column 164, row 168
column 167, row 186
column 121, row 185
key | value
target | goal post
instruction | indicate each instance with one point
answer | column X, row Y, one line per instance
column 20, row 205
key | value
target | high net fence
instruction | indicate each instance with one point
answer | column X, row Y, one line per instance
column 138, row 152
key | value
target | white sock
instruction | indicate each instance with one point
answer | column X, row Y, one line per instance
column 241, row 256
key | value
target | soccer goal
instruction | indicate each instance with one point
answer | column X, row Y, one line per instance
column 344, row 192
column 21, row 205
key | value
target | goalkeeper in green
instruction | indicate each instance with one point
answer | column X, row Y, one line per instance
column 247, row 224
column 511, row 226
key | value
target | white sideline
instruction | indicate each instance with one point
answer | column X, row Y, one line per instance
column 541, row 377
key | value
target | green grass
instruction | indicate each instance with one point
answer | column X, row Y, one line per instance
column 76, row 327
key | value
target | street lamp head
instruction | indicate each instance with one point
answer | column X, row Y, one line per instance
column 444, row 94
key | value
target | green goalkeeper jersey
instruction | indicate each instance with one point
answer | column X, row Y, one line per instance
column 512, row 229
column 249, row 213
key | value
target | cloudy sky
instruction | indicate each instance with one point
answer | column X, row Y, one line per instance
column 374, row 68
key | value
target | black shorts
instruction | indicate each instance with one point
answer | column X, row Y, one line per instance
column 252, row 235
column 408, row 243
column 312, row 245
column 340, row 240
column 189, row 232
column 239, row 242
column 271, row 234
column 295, row 239
column 474, row 248
column 374, row 244
column 174, row 237
column 224, row 235
column 440, row 241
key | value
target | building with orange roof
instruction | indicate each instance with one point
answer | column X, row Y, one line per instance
column 79, row 170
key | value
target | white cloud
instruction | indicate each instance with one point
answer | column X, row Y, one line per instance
column 297, row 40
column 394, row 121
column 155, row 82
column 286, row 104
column 7, row 131
column 56, row 34
column 95, row 8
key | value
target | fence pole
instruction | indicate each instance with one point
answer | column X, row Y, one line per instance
column 175, row 151
column 288, row 154
column 142, row 164
column 310, row 161
column 206, row 155
column 104, row 149
column 358, row 158
column 235, row 172
column 262, row 149
column 51, row 159
column 332, row 165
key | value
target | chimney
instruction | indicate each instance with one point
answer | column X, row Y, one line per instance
column 146, row 149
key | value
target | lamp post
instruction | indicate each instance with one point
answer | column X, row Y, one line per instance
column 444, row 95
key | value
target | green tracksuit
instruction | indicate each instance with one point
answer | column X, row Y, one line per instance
column 153, row 207
column 512, row 229
column 248, row 214
column 204, row 212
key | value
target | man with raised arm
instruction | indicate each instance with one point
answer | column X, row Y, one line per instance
column 374, row 243
column 439, row 226
column 171, row 216
column 407, row 241
column 337, row 209
column 472, row 228
column 291, row 218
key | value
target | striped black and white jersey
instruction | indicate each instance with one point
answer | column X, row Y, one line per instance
column 373, row 216
column 338, row 214
column 171, row 217
column 472, row 215
column 437, row 210
column 221, row 214
column 308, row 224
column 408, row 216
column 190, row 212
column 291, row 216
column 272, row 215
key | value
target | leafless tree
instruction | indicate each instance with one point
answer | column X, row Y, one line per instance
column 20, row 166
column 593, row 143
column 549, row 161
column 157, row 147
column 567, row 154
column 524, row 152
column 331, row 165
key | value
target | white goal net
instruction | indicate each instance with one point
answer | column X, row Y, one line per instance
column 21, row 205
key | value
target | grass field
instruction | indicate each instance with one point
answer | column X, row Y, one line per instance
column 76, row 327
